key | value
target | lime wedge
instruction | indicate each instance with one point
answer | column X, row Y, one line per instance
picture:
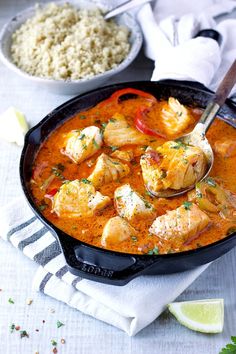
column 205, row 316
column 13, row 126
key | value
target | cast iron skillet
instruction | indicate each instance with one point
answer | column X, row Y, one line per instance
column 108, row 266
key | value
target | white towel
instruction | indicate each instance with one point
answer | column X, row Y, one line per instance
column 171, row 44
column 130, row 308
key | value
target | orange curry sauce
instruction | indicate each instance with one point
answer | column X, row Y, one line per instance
column 90, row 230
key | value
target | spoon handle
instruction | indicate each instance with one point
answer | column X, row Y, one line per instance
column 125, row 6
column 219, row 98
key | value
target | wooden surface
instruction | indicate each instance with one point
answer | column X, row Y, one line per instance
column 84, row 334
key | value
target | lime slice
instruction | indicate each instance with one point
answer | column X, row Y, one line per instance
column 203, row 315
column 13, row 126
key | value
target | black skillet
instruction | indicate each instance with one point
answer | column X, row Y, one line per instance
column 108, row 266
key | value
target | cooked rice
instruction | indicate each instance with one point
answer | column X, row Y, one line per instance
column 62, row 42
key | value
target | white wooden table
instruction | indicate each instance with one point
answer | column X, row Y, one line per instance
column 84, row 334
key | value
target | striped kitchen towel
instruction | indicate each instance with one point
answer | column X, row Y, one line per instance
column 105, row 302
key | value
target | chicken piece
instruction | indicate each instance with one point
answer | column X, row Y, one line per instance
column 107, row 170
column 131, row 205
column 119, row 133
column 225, row 147
column 175, row 117
column 129, row 154
column 78, row 198
column 172, row 165
column 116, row 230
column 182, row 224
column 80, row 145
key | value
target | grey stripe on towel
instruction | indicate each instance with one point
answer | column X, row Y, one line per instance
column 44, row 281
column 32, row 238
column 47, row 254
column 20, row 227
column 62, row 271
column 76, row 281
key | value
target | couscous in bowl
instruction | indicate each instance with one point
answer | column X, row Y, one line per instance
column 70, row 85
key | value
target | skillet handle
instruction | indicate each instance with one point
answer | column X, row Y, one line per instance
column 102, row 265
column 210, row 33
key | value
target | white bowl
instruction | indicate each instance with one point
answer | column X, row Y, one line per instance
column 70, row 86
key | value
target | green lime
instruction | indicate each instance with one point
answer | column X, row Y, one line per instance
column 203, row 315
column 13, row 126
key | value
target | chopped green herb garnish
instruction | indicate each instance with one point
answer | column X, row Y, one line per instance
column 95, row 144
column 155, row 250
column 210, row 181
column 114, row 148
column 147, row 205
column 185, row 161
column 42, row 207
column 198, row 194
column 119, row 196
column 229, row 348
column 11, row 301
column 82, row 116
column 24, row 334
column 101, row 130
column 134, row 238
column 179, row 114
column 54, row 343
column 115, row 163
column 145, row 147
column 187, row 205
column 112, row 120
column 85, row 180
column 104, row 125
column 84, row 147
column 57, row 170
column 149, row 193
column 12, row 327
column 178, row 144
column 60, row 324
column 163, row 174
column 81, row 137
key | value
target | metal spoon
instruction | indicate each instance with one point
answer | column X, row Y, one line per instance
column 198, row 136
column 126, row 6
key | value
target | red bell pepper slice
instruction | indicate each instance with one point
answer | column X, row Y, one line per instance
column 141, row 112
column 51, row 193
column 142, row 126
column 117, row 95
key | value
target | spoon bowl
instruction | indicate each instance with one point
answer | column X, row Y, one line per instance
column 198, row 135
